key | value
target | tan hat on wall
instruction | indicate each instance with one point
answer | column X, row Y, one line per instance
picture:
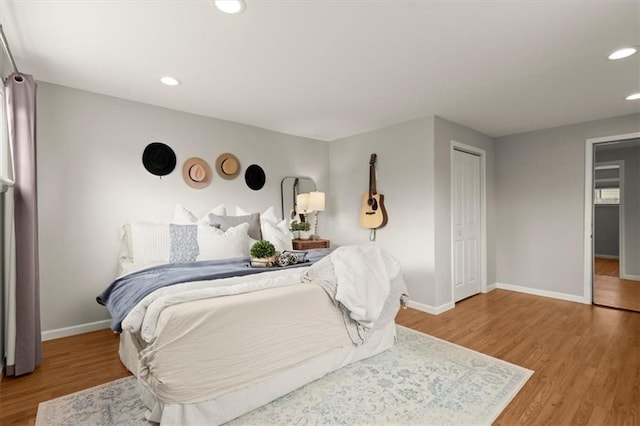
column 196, row 173
column 228, row 166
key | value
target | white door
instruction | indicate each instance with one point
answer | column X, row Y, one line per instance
column 466, row 223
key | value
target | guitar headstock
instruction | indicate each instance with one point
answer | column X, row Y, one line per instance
column 373, row 159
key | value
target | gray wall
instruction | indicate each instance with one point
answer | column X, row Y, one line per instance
column 540, row 183
column 405, row 178
column 446, row 131
column 414, row 171
column 91, row 181
column 606, row 241
column 631, row 204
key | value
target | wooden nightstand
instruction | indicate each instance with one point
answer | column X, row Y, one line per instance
column 310, row 244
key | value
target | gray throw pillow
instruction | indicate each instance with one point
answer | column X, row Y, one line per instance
column 225, row 222
column 183, row 243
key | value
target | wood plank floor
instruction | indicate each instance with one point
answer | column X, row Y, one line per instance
column 610, row 290
column 586, row 359
column 69, row 364
column 607, row 267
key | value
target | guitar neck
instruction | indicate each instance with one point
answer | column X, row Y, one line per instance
column 372, row 181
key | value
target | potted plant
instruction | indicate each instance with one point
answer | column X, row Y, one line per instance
column 300, row 230
column 293, row 227
column 262, row 254
column 305, row 230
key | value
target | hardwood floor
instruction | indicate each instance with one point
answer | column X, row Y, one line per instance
column 69, row 364
column 607, row 267
column 610, row 290
column 586, row 359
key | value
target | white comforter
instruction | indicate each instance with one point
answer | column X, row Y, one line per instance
column 144, row 317
column 362, row 275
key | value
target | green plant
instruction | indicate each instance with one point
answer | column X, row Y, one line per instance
column 263, row 249
column 300, row 226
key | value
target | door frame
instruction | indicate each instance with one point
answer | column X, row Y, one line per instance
column 588, row 208
column 459, row 146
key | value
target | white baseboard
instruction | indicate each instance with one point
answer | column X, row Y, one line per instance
column 544, row 293
column 75, row 329
column 606, row 256
column 491, row 287
column 433, row 310
column 630, row 277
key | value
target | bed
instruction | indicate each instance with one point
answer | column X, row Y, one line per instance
column 227, row 338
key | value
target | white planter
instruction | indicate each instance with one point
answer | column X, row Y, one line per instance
column 262, row 262
column 305, row 235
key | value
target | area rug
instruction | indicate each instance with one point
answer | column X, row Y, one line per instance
column 421, row 380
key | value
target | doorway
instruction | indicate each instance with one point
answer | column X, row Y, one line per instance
column 468, row 221
column 615, row 223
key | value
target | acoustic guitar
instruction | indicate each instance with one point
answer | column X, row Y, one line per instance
column 373, row 214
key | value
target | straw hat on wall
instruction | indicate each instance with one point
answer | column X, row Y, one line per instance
column 228, row 166
column 196, row 173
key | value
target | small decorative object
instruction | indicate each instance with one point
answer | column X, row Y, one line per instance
column 159, row 159
column 263, row 254
column 196, row 173
column 290, row 257
column 304, row 229
column 254, row 177
column 228, row 166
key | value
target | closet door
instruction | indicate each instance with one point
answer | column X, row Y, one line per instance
column 466, row 221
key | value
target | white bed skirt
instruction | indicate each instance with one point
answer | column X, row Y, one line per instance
column 240, row 401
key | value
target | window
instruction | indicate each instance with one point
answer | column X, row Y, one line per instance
column 607, row 196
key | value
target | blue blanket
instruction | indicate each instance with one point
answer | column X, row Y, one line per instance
column 125, row 292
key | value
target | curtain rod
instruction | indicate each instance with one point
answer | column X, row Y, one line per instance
column 3, row 38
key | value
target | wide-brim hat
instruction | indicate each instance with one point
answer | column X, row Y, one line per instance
column 159, row 159
column 254, row 177
column 196, row 172
column 228, row 166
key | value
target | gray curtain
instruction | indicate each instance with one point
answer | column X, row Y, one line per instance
column 20, row 94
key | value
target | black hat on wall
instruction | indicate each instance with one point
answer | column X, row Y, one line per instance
column 254, row 177
column 159, row 159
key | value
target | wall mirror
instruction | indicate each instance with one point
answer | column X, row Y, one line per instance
column 290, row 187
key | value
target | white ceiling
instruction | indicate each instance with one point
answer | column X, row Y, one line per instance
column 329, row 69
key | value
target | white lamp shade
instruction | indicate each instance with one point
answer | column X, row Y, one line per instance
column 302, row 203
column 316, row 201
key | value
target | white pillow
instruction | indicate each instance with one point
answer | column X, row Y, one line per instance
column 182, row 216
column 216, row 244
column 150, row 242
column 277, row 234
column 126, row 243
column 268, row 215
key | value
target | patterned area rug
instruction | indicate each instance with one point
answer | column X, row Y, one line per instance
column 421, row 380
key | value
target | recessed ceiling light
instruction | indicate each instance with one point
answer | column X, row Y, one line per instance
column 170, row 81
column 623, row 53
column 633, row 97
column 230, row 6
